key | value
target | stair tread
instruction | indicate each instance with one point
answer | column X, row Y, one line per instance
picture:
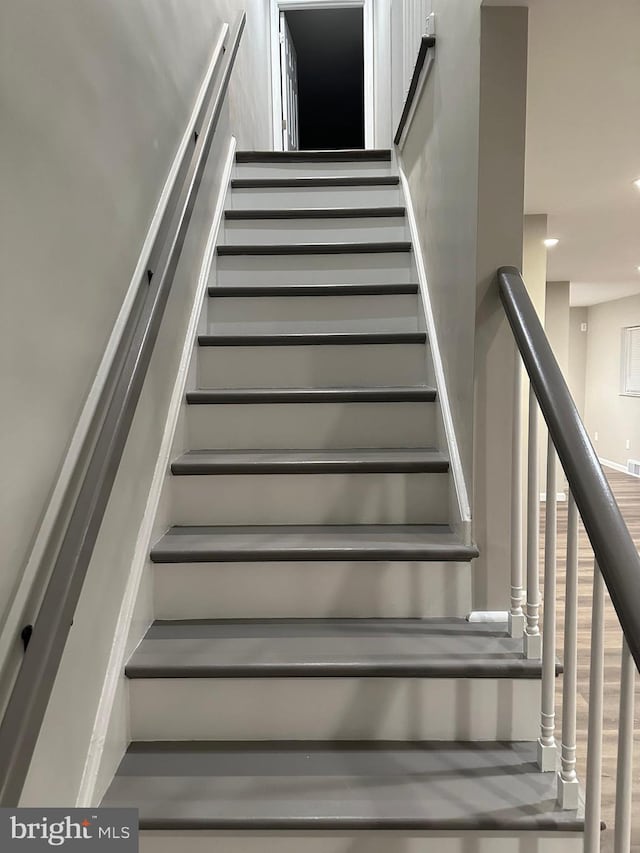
column 379, row 211
column 287, row 290
column 380, row 394
column 311, row 339
column 331, row 248
column 309, row 461
column 304, row 183
column 323, row 786
column 333, row 155
column 311, row 542
column 408, row 648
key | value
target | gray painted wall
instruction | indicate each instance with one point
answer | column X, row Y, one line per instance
column 464, row 158
column 616, row 418
column 557, row 327
column 503, row 79
column 441, row 162
column 94, row 98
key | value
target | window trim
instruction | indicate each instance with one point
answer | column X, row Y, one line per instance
column 625, row 361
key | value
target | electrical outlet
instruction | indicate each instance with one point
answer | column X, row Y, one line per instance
column 595, row 436
column 583, row 327
column 628, row 444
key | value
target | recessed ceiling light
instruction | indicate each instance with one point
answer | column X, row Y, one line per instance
column 550, row 242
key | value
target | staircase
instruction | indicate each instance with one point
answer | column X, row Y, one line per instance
column 310, row 682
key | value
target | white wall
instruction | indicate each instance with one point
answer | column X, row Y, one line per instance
column 615, row 417
column 94, row 98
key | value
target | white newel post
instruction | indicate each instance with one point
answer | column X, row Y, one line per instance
column 568, row 788
column 547, row 752
column 516, row 614
column 532, row 636
column 593, row 796
column 622, row 840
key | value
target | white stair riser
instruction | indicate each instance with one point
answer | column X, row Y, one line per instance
column 311, row 425
column 402, row 709
column 312, row 590
column 351, row 268
column 310, row 499
column 360, row 842
column 313, row 313
column 312, row 366
column 281, row 231
column 276, row 198
column 310, row 169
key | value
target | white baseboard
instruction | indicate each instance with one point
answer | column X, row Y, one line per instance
column 488, row 616
column 462, row 497
column 115, row 670
column 561, row 497
column 616, row 466
column 17, row 607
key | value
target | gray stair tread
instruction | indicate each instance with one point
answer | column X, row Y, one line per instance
column 292, row 339
column 307, row 648
column 316, row 213
column 287, row 290
column 305, row 183
column 415, row 542
column 309, row 461
column 315, row 248
column 395, row 394
column 324, row 786
column 334, row 155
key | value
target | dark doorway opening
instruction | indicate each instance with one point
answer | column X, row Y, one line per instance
column 330, row 48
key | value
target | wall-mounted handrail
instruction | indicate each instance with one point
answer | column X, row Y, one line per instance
column 615, row 552
column 426, row 44
column 34, row 683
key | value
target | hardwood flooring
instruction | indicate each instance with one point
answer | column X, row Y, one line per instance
column 627, row 492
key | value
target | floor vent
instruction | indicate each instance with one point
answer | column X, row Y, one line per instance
column 633, row 467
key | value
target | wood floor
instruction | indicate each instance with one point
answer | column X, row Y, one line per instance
column 627, row 492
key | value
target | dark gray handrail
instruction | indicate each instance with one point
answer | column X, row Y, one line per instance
column 426, row 44
column 610, row 539
column 32, row 689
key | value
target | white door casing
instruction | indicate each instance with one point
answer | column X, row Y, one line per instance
column 280, row 6
column 289, row 88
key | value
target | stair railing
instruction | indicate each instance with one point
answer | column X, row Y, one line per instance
column 616, row 565
column 46, row 640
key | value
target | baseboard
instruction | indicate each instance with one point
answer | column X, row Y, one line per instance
column 561, row 497
column 607, row 463
column 15, row 611
column 488, row 616
column 99, row 744
column 455, row 461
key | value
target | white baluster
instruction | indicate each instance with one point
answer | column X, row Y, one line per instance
column 622, row 841
column 516, row 615
column 547, row 752
column 593, row 797
column 532, row 636
column 568, row 788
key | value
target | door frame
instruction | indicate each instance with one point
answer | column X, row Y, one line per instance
column 278, row 6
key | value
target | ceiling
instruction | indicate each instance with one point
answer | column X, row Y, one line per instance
column 583, row 142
